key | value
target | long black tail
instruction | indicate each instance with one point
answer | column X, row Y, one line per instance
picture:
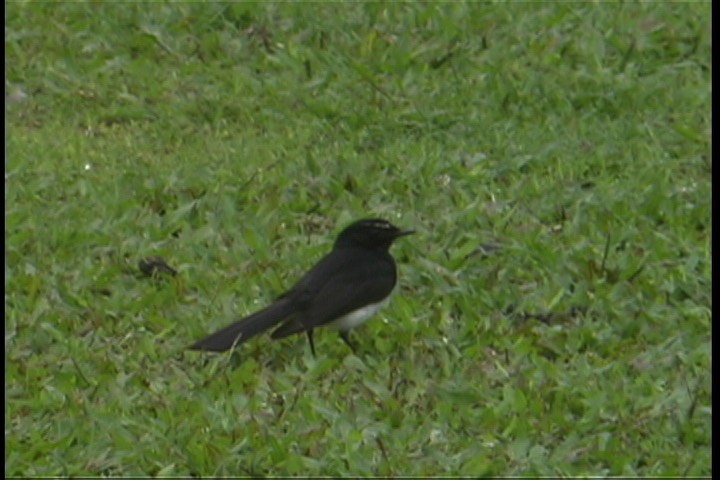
column 243, row 330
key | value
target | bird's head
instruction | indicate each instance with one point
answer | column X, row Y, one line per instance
column 372, row 233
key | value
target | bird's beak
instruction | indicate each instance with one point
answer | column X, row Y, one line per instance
column 402, row 233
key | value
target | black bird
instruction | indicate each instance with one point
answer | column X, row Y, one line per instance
column 341, row 291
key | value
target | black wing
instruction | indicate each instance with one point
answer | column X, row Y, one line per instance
column 344, row 281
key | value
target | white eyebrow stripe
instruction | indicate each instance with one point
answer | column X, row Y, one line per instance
column 380, row 225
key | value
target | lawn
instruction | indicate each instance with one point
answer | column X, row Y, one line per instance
column 553, row 315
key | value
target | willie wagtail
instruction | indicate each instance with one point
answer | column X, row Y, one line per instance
column 341, row 291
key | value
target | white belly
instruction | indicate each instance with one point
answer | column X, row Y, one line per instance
column 356, row 318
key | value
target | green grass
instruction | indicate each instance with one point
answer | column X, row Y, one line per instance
column 236, row 140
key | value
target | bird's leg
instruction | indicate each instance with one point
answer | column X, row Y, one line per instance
column 346, row 338
column 312, row 344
